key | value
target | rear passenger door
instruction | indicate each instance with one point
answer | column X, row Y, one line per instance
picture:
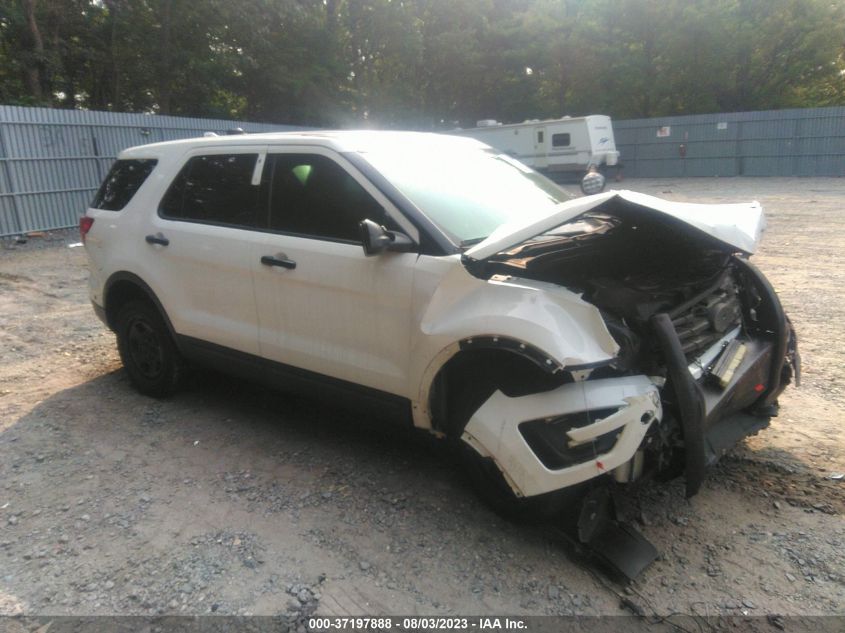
column 200, row 246
column 323, row 305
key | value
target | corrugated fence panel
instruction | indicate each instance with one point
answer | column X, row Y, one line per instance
column 8, row 221
column 809, row 142
column 33, row 175
column 5, row 183
column 54, row 209
column 52, row 161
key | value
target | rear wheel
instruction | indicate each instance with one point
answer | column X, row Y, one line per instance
column 147, row 350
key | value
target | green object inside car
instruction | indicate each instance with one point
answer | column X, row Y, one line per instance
column 302, row 172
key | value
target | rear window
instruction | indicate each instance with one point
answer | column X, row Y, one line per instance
column 124, row 179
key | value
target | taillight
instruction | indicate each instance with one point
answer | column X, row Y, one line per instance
column 85, row 224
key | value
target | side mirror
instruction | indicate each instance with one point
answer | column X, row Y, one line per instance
column 376, row 239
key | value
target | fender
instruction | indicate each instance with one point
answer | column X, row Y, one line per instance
column 548, row 324
column 544, row 315
column 126, row 276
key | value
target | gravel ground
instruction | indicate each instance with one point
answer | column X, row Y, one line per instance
column 232, row 499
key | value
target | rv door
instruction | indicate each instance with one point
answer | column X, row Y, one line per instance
column 541, row 154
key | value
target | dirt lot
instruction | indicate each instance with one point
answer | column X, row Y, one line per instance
column 231, row 499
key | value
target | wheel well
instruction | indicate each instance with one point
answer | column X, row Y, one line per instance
column 470, row 377
column 124, row 290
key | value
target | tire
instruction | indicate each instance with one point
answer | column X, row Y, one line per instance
column 149, row 355
column 491, row 485
column 486, row 477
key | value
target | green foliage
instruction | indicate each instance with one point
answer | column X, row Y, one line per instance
column 426, row 64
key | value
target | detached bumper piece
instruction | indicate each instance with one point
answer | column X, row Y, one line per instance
column 613, row 543
column 555, row 439
column 742, row 395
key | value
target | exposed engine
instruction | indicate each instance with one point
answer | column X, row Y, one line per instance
column 691, row 316
column 701, row 323
column 631, row 268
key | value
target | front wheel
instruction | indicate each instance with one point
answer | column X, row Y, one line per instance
column 493, row 488
column 484, row 473
column 147, row 350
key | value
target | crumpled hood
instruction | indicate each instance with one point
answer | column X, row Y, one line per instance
column 737, row 225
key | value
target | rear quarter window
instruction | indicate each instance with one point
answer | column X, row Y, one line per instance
column 122, row 182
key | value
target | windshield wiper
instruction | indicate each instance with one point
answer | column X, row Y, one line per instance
column 473, row 241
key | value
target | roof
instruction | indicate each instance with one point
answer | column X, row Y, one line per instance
column 532, row 123
column 339, row 140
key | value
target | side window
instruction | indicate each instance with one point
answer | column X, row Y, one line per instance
column 123, row 180
column 540, row 136
column 216, row 189
column 560, row 140
column 313, row 195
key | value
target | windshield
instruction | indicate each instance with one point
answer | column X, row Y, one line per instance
column 468, row 192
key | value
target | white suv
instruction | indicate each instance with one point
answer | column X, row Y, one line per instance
column 554, row 341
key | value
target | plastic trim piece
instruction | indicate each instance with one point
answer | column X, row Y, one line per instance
column 535, row 355
column 781, row 335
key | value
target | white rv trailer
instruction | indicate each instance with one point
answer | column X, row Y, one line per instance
column 557, row 146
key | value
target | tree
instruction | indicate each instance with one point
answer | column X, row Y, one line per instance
column 427, row 64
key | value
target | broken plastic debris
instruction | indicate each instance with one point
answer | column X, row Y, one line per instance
column 836, row 476
column 196, row 442
column 74, row 245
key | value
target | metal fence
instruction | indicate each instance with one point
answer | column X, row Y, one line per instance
column 807, row 142
column 52, row 161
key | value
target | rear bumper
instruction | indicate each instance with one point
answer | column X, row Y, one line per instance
column 610, row 158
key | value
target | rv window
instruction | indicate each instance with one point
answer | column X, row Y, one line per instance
column 540, row 136
column 560, row 140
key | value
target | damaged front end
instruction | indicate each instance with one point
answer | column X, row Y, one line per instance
column 705, row 347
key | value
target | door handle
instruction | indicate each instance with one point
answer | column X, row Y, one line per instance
column 157, row 239
column 281, row 261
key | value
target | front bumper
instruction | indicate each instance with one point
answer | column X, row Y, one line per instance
column 712, row 418
column 494, row 430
